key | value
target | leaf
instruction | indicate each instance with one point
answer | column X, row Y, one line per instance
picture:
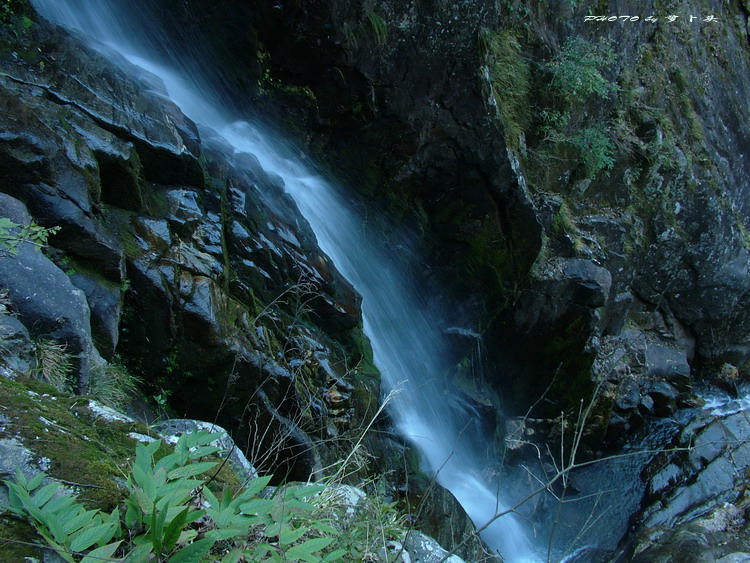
column 72, row 525
column 144, row 503
column 145, row 479
column 211, row 498
column 191, row 470
column 45, row 494
column 290, row 535
column 140, row 553
column 325, row 528
column 35, row 481
column 257, row 506
column 306, row 550
column 221, row 534
column 192, row 553
column 157, row 527
column 257, row 485
column 132, row 515
column 56, row 528
column 101, row 553
column 234, row 556
column 335, row 555
column 172, row 532
column 57, row 504
column 203, row 451
column 89, row 537
column 6, row 224
column 171, row 461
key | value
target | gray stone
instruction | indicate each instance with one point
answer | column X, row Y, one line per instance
column 16, row 346
column 424, row 549
column 668, row 364
column 105, row 304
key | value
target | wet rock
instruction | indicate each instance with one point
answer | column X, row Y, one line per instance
column 184, row 212
column 424, row 549
column 617, row 314
column 707, row 476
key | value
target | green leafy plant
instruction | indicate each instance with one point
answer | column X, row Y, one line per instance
column 378, row 26
column 577, row 70
column 62, row 521
column 577, row 80
column 12, row 15
column 12, row 235
column 172, row 516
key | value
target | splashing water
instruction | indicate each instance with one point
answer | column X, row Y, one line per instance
column 407, row 343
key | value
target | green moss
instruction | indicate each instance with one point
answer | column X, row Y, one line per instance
column 509, row 81
column 81, row 447
column 15, row 534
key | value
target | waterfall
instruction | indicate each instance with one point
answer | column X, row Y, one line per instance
column 407, row 344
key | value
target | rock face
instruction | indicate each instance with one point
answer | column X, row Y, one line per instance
column 609, row 260
column 182, row 261
column 459, row 120
column 695, row 504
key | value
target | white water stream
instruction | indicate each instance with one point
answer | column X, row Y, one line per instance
column 407, row 343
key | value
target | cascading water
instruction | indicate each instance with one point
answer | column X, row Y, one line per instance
column 406, row 341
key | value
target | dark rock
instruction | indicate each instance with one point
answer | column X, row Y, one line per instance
column 52, row 307
column 617, row 314
column 668, row 364
column 17, row 347
column 105, row 304
column 664, row 397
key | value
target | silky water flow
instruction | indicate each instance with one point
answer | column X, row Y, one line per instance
column 407, row 343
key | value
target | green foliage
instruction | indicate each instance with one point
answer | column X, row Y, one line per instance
column 171, row 515
column 577, row 70
column 596, row 148
column 12, row 15
column 112, row 384
column 509, row 79
column 12, row 235
column 61, row 520
column 578, row 82
column 378, row 26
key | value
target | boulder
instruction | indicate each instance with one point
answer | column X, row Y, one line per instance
column 52, row 307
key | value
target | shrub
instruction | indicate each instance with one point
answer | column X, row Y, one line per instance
column 577, row 82
column 577, row 70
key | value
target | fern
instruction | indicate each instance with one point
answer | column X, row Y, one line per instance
column 172, row 516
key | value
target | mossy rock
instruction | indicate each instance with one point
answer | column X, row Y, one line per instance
column 80, row 448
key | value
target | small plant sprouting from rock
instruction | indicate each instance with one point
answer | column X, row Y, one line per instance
column 379, row 28
column 509, row 79
column 12, row 235
column 53, row 364
column 577, row 80
column 113, row 385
